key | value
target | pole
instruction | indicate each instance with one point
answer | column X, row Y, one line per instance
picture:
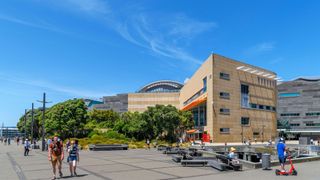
column 44, row 102
column 25, row 123
column 32, row 122
column 43, row 114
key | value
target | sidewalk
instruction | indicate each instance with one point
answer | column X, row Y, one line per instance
column 138, row 164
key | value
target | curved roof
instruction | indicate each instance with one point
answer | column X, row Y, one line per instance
column 305, row 78
column 161, row 86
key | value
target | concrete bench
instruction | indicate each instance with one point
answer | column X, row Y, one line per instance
column 187, row 162
column 217, row 165
column 229, row 162
column 177, row 158
column 107, row 147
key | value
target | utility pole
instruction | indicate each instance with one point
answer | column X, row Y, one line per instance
column 44, row 102
column 25, row 123
column 32, row 122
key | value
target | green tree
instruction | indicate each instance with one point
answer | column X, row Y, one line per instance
column 102, row 118
column 36, row 124
column 67, row 119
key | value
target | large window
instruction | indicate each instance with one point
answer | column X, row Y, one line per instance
column 245, row 96
column 200, row 115
column 224, row 76
column 245, row 121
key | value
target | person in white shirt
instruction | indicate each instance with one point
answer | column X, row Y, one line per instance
column 26, row 147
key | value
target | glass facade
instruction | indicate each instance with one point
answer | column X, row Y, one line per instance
column 200, row 115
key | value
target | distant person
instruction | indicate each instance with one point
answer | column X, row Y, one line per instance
column 281, row 148
column 9, row 141
column 18, row 141
column 148, row 144
column 255, row 140
column 73, row 158
column 311, row 141
column 26, row 147
column 56, row 156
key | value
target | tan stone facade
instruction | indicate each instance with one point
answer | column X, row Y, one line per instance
column 141, row 101
column 230, row 114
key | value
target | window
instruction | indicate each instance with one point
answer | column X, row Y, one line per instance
column 245, row 121
column 224, row 76
column 204, row 84
column 290, row 114
column 286, row 95
column 313, row 114
column 245, row 96
column 261, row 106
column 256, row 133
column 225, row 130
column 295, row 124
column 224, row 111
column 224, row 95
column 268, row 108
column 253, row 106
column 310, row 124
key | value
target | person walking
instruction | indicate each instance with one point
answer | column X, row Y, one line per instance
column 18, row 141
column 73, row 158
column 148, row 144
column 281, row 148
column 26, row 147
column 56, row 156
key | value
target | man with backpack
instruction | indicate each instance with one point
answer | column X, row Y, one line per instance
column 56, row 156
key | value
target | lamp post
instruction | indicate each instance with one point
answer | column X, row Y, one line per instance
column 32, row 122
column 44, row 102
column 25, row 124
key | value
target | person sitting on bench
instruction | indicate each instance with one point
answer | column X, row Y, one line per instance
column 231, row 156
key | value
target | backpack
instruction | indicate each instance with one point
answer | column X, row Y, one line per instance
column 56, row 148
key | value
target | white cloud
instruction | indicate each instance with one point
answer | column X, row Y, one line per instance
column 140, row 32
column 40, row 25
column 48, row 86
column 260, row 48
column 186, row 27
column 90, row 6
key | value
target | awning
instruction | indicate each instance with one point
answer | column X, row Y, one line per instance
column 195, row 103
column 193, row 131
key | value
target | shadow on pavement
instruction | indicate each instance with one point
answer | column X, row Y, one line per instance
column 79, row 175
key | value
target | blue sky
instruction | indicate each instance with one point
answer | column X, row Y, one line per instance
column 91, row 48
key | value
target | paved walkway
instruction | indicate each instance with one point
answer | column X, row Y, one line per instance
column 131, row 164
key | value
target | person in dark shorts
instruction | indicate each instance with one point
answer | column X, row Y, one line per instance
column 73, row 158
column 281, row 148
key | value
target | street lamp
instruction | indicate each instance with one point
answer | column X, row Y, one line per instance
column 44, row 102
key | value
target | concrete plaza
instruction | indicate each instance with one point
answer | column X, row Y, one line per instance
column 132, row 164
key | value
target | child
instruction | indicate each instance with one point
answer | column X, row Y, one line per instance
column 73, row 158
